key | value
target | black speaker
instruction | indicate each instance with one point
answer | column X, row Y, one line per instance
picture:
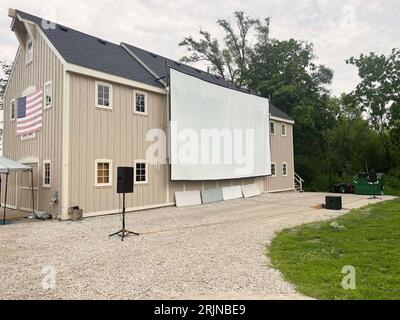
column 333, row 202
column 125, row 180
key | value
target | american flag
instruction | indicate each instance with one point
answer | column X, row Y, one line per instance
column 29, row 118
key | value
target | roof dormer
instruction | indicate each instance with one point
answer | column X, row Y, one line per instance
column 23, row 29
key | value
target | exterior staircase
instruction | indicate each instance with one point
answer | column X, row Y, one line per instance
column 298, row 183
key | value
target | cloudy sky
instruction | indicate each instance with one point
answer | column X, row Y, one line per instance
column 339, row 29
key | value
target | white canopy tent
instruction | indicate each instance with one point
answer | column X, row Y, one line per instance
column 6, row 167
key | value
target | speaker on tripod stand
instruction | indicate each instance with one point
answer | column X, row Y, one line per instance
column 373, row 181
column 124, row 186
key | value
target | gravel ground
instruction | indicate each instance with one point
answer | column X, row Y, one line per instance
column 214, row 251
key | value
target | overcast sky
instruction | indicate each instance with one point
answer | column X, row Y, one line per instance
column 338, row 29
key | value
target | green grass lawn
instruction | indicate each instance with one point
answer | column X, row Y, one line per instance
column 312, row 256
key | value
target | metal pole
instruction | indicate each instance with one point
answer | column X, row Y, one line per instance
column 33, row 193
column 5, row 201
column 123, row 213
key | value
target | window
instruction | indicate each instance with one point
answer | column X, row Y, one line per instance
column 29, row 51
column 103, row 95
column 284, row 169
column 48, row 95
column 141, row 172
column 12, row 110
column 103, row 173
column 46, row 173
column 284, row 130
column 28, row 136
column 272, row 127
column 273, row 169
column 140, row 102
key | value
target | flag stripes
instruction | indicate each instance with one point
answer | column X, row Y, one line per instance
column 30, row 110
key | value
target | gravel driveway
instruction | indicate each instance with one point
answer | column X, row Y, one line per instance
column 210, row 251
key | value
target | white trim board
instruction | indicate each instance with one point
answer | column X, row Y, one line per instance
column 281, row 119
column 112, row 78
column 9, row 206
column 281, row 190
column 115, row 211
column 64, row 200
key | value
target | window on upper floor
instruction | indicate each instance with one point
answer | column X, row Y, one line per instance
column 29, row 51
column 272, row 127
column 12, row 110
column 283, row 129
column 140, row 102
column 103, row 95
column 48, row 95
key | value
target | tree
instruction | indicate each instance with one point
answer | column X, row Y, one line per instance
column 6, row 68
column 230, row 60
column 285, row 71
column 378, row 96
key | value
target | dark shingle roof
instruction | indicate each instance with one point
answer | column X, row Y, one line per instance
column 160, row 64
column 87, row 51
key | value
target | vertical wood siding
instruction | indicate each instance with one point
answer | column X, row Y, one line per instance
column 281, row 151
column 47, row 144
column 120, row 135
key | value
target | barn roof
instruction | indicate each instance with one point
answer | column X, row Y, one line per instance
column 159, row 65
column 87, row 51
column 91, row 52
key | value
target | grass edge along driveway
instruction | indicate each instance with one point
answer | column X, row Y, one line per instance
column 312, row 256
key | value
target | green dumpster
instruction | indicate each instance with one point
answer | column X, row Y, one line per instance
column 363, row 186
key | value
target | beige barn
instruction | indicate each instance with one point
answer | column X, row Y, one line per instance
column 100, row 99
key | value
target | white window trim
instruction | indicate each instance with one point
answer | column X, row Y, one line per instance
column 110, row 98
column 283, row 165
column 273, row 175
column 26, row 52
column 28, row 136
column 145, row 102
column 44, row 95
column 283, row 125
column 44, row 173
column 272, row 134
column 97, row 161
column 147, row 172
column 15, row 110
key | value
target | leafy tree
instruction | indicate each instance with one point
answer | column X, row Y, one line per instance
column 285, row 71
column 378, row 96
column 6, row 68
column 229, row 60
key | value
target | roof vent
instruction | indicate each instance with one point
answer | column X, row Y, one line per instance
column 177, row 63
column 217, row 77
column 101, row 41
column 153, row 55
column 199, row 71
column 62, row 28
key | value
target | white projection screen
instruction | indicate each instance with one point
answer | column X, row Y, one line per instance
column 215, row 132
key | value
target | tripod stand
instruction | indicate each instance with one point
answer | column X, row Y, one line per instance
column 123, row 232
column 373, row 191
